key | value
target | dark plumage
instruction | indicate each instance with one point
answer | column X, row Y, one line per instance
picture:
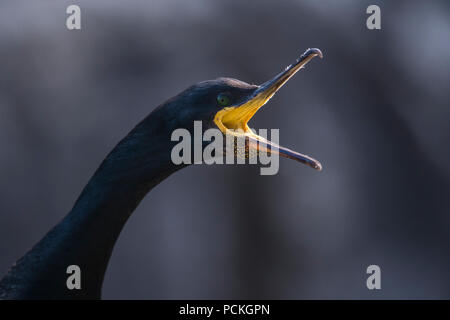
column 86, row 236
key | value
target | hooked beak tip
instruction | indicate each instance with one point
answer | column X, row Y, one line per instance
column 314, row 51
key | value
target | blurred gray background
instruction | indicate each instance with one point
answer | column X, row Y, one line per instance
column 375, row 111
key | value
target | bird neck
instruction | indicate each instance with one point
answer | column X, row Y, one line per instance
column 86, row 236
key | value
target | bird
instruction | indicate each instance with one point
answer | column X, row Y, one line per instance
column 85, row 237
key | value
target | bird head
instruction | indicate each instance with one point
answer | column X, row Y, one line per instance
column 229, row 104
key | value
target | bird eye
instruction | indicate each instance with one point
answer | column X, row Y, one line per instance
column 223, row 99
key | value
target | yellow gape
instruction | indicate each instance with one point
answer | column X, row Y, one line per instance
column 233, row 120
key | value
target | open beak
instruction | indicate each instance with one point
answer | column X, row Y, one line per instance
column 233, row 120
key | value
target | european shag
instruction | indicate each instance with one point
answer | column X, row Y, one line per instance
column 141, row 160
